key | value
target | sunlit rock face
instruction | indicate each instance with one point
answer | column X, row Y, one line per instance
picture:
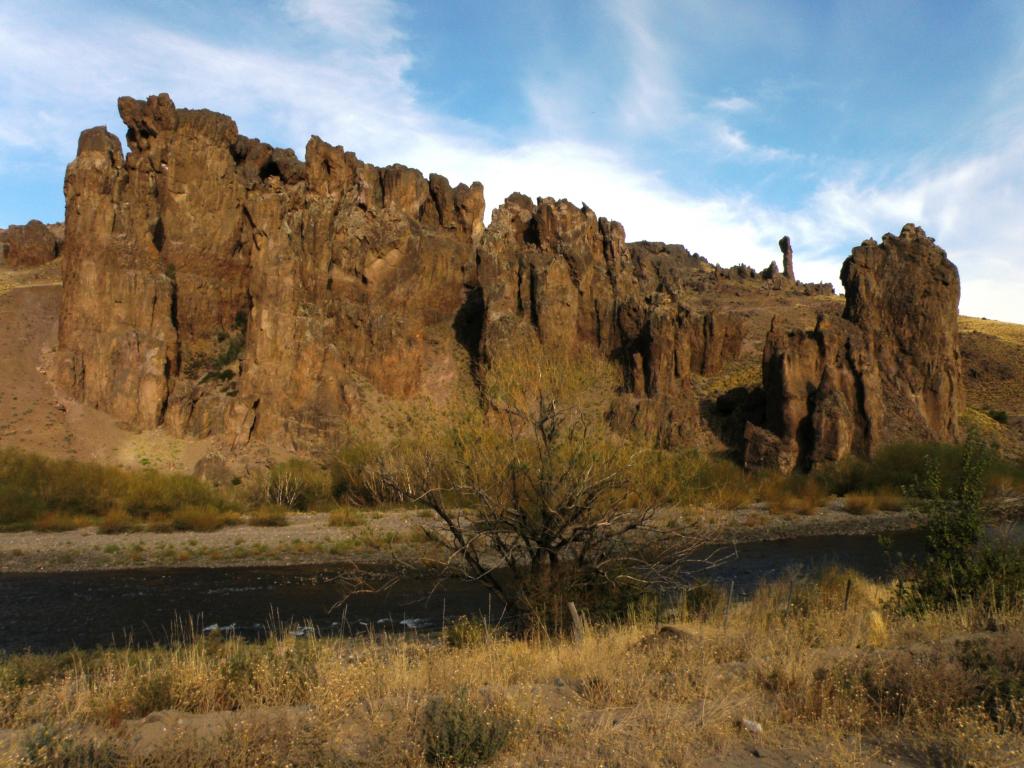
column 30, row 245
column 888, row 371
column 218, row 285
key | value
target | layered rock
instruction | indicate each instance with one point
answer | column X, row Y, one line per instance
column 219, row 285
column 568, row 276
column 29, row 245
column 887, row 371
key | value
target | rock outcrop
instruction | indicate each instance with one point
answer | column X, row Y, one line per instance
column 787, row 258
column 571, row 277
column 29, row 245
column 218, row 285
column 887, row 371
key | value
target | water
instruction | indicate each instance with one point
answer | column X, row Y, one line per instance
column 56, row 611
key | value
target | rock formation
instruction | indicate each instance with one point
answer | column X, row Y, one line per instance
column 29, row 245
column 571, row 277
column 887, row 371
column 217, row 285
column 787, row 258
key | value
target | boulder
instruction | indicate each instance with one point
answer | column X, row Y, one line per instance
column 29, row 245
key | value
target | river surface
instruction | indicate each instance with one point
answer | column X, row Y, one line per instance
column 57, row 611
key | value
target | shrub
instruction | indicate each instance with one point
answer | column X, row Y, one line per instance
column 959, row 566
column 904, row 465
column 55, row 522
column 48, row 748
column 802, row 494
column 465, row 632
column 1001, row 416
column 346, row 517
column 352, row 476
column 459, row 731
column 269, row 515
column 32, row 487
column 199, row 518
column 861, row 503
column 539, row 482
column 116, row 521
column 297, row 484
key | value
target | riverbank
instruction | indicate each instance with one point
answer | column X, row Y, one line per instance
column 803, row 673
column 375, row 535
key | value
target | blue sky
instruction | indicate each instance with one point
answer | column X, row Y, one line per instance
column 721, row 125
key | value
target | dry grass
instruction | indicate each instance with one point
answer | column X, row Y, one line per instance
column 825, row 674
column 346, row 517
column 54, row 522
column 201, row 518
column 1012, row 333
column 269, row 515
column 869, row 502
column 117, row 520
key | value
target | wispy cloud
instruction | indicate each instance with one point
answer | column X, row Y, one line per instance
column 732, row 104
column 360, row 93
column 651, row 99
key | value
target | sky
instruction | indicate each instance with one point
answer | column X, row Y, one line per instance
column 719, row 125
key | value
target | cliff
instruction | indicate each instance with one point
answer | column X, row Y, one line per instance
column 216, row 285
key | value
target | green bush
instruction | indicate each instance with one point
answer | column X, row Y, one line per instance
column 960, row 567
column 906, row 464
column 33, row 486
column 352, row 477
column 460, row 731
column 1001, row 416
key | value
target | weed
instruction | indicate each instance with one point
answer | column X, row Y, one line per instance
column 199, row 518
column 458, row 731
column 346, row 517
column 269, row 515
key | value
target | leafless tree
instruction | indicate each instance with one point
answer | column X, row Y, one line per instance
column 537, row 498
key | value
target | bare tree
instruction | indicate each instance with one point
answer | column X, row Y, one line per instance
column 538, row 499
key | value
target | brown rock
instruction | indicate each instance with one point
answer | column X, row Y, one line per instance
column 218, row 285
column 29, row 245
column 561, row 272
column 888, row 371
column 787, row 258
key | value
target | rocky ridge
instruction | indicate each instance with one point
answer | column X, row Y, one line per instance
column 30, row 245
column 216, row 285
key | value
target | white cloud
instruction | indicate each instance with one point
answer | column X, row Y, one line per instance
column 732, row 104
column 360, row 95
column 651, row 100
column 366, row 22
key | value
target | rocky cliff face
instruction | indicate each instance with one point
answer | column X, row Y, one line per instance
column 218, row 285
column 571, row 278
column 29, row 245
column 887, row 371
